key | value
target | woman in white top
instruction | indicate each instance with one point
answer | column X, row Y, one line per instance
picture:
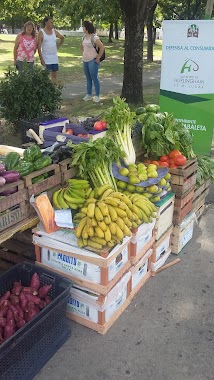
column 47, row 47
column 91, row 60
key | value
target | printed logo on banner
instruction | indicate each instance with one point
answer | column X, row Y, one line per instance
column 189, row 66
column 193, row 31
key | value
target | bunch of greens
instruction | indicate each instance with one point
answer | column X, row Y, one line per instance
column 161, row 134
column 94, row 160
column 205, row 169
column 120, row 121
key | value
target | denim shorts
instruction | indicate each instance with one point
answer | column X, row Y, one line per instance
column 52, row 67
column 20, row 65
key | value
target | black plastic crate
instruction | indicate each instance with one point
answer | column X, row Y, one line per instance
column 33, row 124
column 25, row 353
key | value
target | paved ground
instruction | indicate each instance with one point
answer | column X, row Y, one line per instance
column 166, row 333
column 112, row 84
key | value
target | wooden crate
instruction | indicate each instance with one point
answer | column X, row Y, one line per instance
column 183, row 205
column 66, row 171
column 200, row 194
column 23, row 225
column 181, row 236
column 54, row 179
column 13, row 207
column 14, row 251
column 141, row 240
column 135, row 257
column 94, row 272
column 161, row 251
column 184, row 177
column 164, row 215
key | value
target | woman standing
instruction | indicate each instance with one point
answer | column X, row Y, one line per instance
column 91, row 60
column 25, row 46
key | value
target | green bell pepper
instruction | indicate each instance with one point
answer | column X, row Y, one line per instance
column 42, row 162
column 32, row 153
column 24, row 168
column 11, row 160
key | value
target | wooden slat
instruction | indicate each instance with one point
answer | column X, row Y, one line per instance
column 185, row 170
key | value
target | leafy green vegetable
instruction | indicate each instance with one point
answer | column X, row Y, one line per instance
column 161, row 133
column 205, row 169
column 120, row 121
column 94, row 160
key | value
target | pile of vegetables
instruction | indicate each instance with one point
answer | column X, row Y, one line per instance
column 94, row 160
column 21, row 305
column 161, row 134
column 172, row 160
column 59, row 153
column 205, row 169
column 120, row 121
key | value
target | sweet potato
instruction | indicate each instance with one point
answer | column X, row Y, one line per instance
column 42, row 304
column 10, row 317
column 48, row 300
column 30, row 290
column 19, row 321
column 43, row 291
column 30, row 314
column 14, row 300
column 35, row 281
column 4, row 310
column 5, row 297
column 32, row 298
column 3, row 322
column 17, row 287
column 23, row 301
column 20, row 311
column 9, row 329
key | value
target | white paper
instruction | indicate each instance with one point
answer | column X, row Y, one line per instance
column 63, row 218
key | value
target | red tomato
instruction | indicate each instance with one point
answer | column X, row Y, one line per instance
column 98, row 126
column 164, row 158
column 173, row 166
column 69, row 132
column 180, row 160
column 164, row 164
column 174, row 153
column 170, row 161
column 104, row 124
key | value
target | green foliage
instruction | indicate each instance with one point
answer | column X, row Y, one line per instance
column 28, row 94
column 182, row 10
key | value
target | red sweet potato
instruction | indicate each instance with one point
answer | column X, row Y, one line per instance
column 43, row 291
column 10, row 317
column 32, row 298
column 14, row 300
column 20, row 311
column 17, row 288
column 3, row 322
column 35, row 281
column 4, row 310
column 48, row 300
column 5, row 297
column 9, row 329
column 23, row 301
column 19, row 321
column 30, row 314
column 29, row 290
column 42, row 304
column 4, row 303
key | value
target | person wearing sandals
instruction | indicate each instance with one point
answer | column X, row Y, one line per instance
column 91, row 60
column 25, row 47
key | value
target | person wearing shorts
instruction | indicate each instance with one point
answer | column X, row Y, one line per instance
column 47, row 47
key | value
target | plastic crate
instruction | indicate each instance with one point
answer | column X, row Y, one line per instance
column 33, row 124
column 25, row 353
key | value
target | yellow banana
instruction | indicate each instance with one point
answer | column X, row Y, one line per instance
column 145, row 217
column 112, row 213
column 102, row 225
column 107, row 234
column 127, row 222
column 119, row 233
column 93, row 222
column 93, row 244
column 103, row 208
column 120, row 223
column 55, row 200
column 143, row 208
column 85, row 242
column 80, row 227
column 90, row 210
column 84, row 210
column 85, row 232
column 61, row 200
column 120, row 212
column 80, row 242
column 116, row 240
column 76, row 193
column 99, row 232
column 106, row 193
column 102, row 189
column 112, row 201
column 113, row 228
column 111, row 244
column 122, row 197
column 71, row 199
column 134, row 225
column 98, row 214
column 88, row 192
column 73, row 206
column 107, row 219
column 127, row 231
column 90, row 200
column 136, row 210
column 92, row 194
column 79, row 215
column 98, row 240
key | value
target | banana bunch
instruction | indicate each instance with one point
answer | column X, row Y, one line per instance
column 145, row 208
column 73, row 196
column 108, row 216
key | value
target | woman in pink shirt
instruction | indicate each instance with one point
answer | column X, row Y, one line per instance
column 25, row 46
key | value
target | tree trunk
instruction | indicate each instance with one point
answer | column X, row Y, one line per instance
column 116, row 31
column 134, row 11
column 149, row 42
column 110, row 35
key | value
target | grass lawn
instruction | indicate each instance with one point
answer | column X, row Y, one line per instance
column 71, row 70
